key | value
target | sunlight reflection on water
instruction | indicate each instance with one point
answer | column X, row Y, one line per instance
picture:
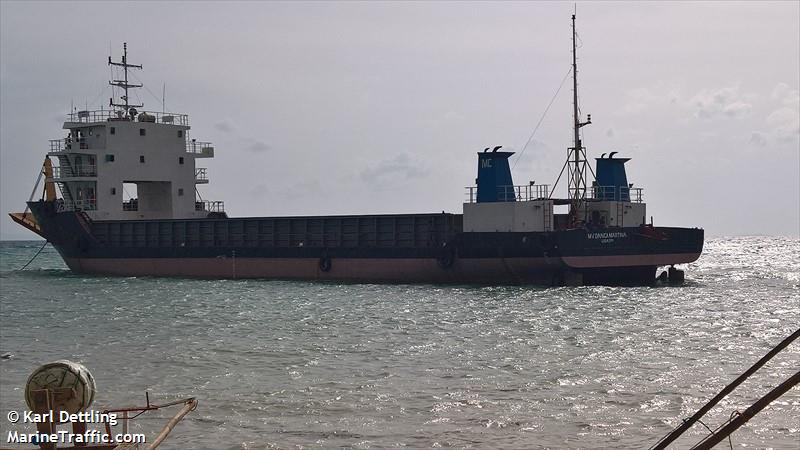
column 324, row 365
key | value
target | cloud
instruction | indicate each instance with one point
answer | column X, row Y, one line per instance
column 256, row 146
column 728, row 102
column 758, row 139
column 401, row 167
column 641, row 99
column 785, row 124
column 638, row 100
column 786, row 95
column 225, row 126
column 737, row 109
column 709, row 103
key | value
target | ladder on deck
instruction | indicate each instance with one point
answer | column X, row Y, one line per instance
column 547, row 210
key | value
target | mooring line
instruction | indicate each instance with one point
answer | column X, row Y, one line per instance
column 34, row 256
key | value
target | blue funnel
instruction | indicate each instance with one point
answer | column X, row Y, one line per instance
column 612, row 182
column 494, row 177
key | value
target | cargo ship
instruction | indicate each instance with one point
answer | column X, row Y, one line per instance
column 506, row 233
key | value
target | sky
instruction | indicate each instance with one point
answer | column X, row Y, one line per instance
column 356, row 108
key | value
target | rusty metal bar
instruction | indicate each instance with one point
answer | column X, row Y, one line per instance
column 755, row 408
column 149, row 406
column 668, row 439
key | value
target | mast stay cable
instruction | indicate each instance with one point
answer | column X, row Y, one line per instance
column 538, row 124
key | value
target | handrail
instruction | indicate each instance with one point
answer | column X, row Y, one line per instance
column 58, row 145
column 105, row 115
column 519, row 193
column 76, row 205
column 68, row 143
column 209, row 205
column 616, row 193
column 197, row 146
column 131, row 205
column 84, row 170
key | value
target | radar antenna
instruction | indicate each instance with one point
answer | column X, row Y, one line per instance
column 126, row 107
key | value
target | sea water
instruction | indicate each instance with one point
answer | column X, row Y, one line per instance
column 278, row 364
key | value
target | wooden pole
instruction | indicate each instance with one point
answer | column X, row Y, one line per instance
column 661, row 445
column 741, row 419
column 187, row 408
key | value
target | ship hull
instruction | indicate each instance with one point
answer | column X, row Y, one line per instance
column 369, row 270
column 419, row 248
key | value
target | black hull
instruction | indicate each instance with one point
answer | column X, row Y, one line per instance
column 419, row 248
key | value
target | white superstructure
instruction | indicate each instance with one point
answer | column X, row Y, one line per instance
column 531, row 209
column 124, row 164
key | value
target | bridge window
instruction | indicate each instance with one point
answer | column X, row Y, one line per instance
column 180, row 191
column 141, row 158
column 113, row 191
column 180, row 160
column 142, row 131
column 112, row 130
column 109, row 158
column 180, row 133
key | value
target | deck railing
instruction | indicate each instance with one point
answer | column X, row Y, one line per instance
column 84, row 170
column 105, row 115
column 68, row 144
column 209, row 206
column 131, row 205
column 76, row 205
column 201, row 175
column 520, row 193
column 616, row 193
column 58, row 145
column 194, row 146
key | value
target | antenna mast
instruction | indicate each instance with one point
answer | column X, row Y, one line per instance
column 576, row 155
column 126, row 107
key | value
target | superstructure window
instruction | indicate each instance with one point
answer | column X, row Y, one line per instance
column 180, row 191
column 142, row 131
column 141, row 158
column 113, row 191
column 180, row 160
column 112, row 130
column 109, row 158
column 180, row 133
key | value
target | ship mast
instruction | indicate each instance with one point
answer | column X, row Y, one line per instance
column 576, row 155
column 126, row 107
